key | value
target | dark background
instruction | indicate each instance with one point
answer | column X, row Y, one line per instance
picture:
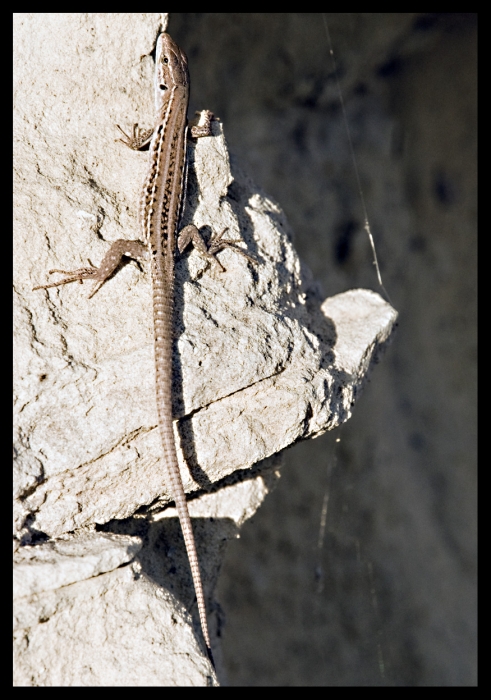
column 386, row 594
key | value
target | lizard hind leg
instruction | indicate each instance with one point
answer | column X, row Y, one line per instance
column 217, row 244
column 119, row 249
column 191, row 234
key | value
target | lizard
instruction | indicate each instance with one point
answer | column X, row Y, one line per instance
column 160, row 212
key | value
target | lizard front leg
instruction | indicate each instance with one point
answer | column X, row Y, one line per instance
column 138, row 139
column 203, row 126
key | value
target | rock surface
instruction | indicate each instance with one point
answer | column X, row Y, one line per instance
column 261, row 362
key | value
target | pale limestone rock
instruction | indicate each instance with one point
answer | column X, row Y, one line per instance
column 68, row 559
column 116, row 628
column 260, row 363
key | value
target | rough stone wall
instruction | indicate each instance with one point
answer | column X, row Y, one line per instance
column 360, row 568
column 102, row 593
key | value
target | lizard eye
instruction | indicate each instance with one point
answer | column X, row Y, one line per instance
column 166, row 60
column 163, row 87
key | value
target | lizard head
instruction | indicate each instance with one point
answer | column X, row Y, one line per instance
column 171, row 67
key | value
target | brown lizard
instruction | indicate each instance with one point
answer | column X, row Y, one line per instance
column 160, row 212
